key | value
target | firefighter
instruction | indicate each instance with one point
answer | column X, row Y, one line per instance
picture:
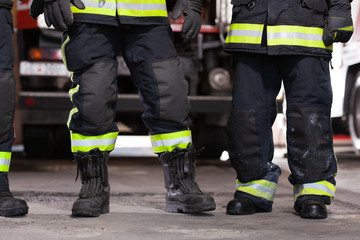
column 9, row 206
column 95, row 32
column 289, row 42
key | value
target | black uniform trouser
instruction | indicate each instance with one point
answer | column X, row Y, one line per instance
column 90, row 53
column 7, row 95
column 309, row 135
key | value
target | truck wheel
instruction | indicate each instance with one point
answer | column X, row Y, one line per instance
column 354, row 114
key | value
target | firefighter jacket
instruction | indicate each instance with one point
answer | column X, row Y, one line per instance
column 113, row 12
column 279, row 27
column 6, row 4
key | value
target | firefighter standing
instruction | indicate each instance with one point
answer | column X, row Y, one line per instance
column 140, row 30
column 289, row 41
column 9, row 206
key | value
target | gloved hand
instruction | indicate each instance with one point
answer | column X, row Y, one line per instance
column 339, row 26
column 192, row 12
column 56, row 12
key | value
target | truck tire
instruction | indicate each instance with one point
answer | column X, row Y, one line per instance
column 354, row 114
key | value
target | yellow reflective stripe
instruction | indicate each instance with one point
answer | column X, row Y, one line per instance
column 142, row 13
column 72, row 112
column 323, row 188
column 296, row 42
column 5, row 158
column 72, row 91
column 295, row 36
column 5, row 155
column 348, row 28
column 105, row 142
column 169, row 141
column 245, row 33
column 259, row 188
column 95, row 10
column 161, row 149
column 4, row 168
column 64, row 57
column 143, row 1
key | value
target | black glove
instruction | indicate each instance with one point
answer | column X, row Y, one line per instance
column 192, row 12
column 339, row 25
column 56, row 12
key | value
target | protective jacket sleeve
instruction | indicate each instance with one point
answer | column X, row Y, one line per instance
column 339, row 24
column 192, row 10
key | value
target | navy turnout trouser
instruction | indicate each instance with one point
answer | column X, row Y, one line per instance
column 311, row 158
column 90, row 52
column 7, row 89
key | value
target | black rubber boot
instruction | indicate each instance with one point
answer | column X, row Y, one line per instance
column 242, row 206
column 183, row 193
column 313, row 209
column 94, row 195
column 10, row 206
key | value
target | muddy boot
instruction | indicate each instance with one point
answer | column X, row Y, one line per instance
column 183, row 193
column 95, row 192
column 10, row 206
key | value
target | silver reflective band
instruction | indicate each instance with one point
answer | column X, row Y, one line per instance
column 295, row 35
column 316, row 186
column 136, row 6
column 4, row 161
column 93, row 142
column 100, row 4
column 245, row 33
column 258, row 187
column 171, row 142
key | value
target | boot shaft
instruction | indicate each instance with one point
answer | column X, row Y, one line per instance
column 92, row 167
column 179, row 170
column 4, row 182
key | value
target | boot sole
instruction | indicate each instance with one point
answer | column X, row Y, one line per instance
column 313, row 214
column 85, row 212
column 236, row 211
column 175, row 207
column 10, row 212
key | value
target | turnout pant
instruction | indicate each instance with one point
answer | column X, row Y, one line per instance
column 311, row 158
column 7, row 90
column 89, row 52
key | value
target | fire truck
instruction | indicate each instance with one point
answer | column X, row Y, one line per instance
column 44, row 101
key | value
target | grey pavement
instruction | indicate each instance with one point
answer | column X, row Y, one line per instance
column 137, row 204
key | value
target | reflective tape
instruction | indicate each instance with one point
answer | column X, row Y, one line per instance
column 141, row 9
column 72, row 112
column 245, row 33
column 295, row 36
column 107, row 7
column 259, row 188
column 105, row 142
column 5, row 159
column 323, row 188
column 132, row 8
column 72, row 91
column 169, row 141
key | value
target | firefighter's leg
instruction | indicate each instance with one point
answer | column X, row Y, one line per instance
column 250, row 141
column 90, row 53
column 9, row 206
column 309, row 135
column 163, row 91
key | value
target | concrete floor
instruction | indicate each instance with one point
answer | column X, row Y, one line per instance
column 137, row 204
